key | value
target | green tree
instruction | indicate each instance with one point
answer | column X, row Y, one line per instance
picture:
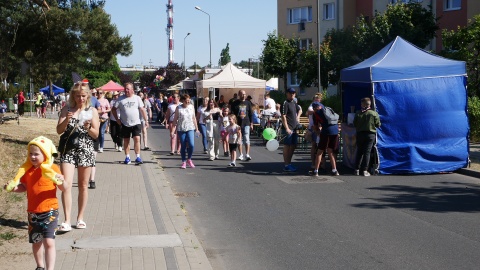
column 280, row 56
column 225, row 56
column 411, row 21
column 63, row 36
column 464, row 44
column 12, row 15
column 342, row 48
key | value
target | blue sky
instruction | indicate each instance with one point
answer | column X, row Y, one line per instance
column 242, row 24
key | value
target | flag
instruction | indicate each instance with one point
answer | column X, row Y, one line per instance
column 76, row 77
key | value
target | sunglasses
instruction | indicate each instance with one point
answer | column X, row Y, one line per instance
column 80, row 83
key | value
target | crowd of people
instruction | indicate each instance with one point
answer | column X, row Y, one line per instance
column 127, row 115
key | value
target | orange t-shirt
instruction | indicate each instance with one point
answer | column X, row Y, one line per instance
column 41, row 192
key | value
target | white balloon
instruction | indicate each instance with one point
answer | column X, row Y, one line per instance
column 272, row 145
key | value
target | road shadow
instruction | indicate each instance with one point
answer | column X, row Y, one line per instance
column 442, row 198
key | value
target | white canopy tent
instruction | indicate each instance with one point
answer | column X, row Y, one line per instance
column 229, row 81
column 272, row 84
column 176, row 87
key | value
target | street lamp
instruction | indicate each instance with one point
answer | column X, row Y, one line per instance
column 184, row 63
column 209, row 33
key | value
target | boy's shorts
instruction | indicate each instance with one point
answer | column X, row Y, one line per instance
column 290, row 139
column 42, row 225
column 328, row 141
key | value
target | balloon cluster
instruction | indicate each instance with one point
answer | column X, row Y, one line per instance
column 269, row 134
column 158, row 79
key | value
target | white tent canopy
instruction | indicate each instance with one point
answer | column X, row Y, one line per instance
column 273, row 83
column 229, row 81
column 231, row 77
column 177, row 86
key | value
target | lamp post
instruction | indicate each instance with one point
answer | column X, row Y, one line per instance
column 319, row 40
column 184, row 63
column 254, row 58
column 209, row 33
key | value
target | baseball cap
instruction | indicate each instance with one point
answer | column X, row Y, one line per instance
column 115, row 93
column 316, row 105
column 94, row 90
column 291, row 90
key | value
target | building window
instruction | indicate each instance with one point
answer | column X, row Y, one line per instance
column 302, row 92
column 297, row 15
column 393, row 2
column 452, row 4
column 329, row 11
column 305, row 44
column 293, row 80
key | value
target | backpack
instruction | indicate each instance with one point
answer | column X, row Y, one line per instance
column 330, row 115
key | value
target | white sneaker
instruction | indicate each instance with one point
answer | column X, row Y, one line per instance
column 100, row 150
column 240, row 157
column 120, row 149
column 116, row 147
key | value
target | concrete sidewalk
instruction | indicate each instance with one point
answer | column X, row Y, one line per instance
column 133, row 221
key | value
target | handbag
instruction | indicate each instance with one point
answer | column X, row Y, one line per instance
column 69, row 141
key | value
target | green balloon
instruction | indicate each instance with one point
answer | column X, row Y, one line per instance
column 269, row 134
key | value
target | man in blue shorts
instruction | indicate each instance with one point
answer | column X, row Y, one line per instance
column 289, row 112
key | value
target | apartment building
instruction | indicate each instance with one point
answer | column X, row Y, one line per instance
column 309, row 20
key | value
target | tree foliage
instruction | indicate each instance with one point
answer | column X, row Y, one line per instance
column 225, row 56
column 279, row 55
column 464, row 44
column 172, row 73
column 342, row 48
column 57, row 37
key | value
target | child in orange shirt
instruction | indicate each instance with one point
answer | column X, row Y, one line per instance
column 39, row 177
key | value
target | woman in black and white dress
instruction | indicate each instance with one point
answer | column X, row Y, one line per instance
column 78, row 114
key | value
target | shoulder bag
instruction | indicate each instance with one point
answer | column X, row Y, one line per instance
column 69, row 140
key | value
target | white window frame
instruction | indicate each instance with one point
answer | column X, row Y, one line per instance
column 298, row 15
column 305, row 43
column 329, row 11
column 302, row 92
column 393, row 2
column 293, row 80
column 450, row 5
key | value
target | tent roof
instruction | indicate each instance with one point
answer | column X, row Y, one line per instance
column 112, row 86
column 56, row 90
column 177, row 86
column 401, row 60
column 273, row 83
column 231, row 77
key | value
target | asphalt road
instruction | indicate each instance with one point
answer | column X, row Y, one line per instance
column 256, row 217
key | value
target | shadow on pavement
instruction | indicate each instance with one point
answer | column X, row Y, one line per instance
column 446, row 197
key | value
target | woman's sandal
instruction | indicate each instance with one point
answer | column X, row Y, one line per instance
column 65, row 227
column 81, row 224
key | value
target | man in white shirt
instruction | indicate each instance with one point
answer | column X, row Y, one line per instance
column 269, row 105
column 130, row 106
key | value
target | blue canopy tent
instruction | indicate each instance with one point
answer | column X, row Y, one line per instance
column 56, row 90
column 422, row 102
